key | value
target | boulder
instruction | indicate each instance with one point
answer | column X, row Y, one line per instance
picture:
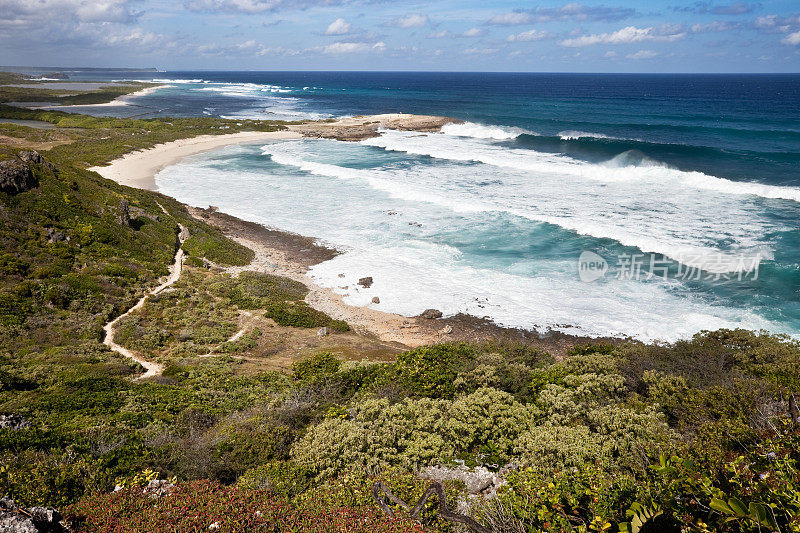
column 16, row 519
column 431, row 314
column 56, row 236
column 14, row 422
column 376, row 300
column 124, row 216
column 36, row 158
column 366, row 282
column 158, row 487
column 16, row 177
column 323, row 332
column 478, row 480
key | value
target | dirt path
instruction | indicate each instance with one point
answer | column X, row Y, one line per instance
column 248, row 323
column 152, row 369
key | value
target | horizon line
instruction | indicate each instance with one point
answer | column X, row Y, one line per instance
column 156, row 69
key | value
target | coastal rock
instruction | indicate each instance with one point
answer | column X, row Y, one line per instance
column 56, row 236
column 16, row 519
column 447, row 330
column 431, row 314
column 366, row 282
column 124, row 216
column 14, row 422
column 16, row 177
column 363, row 127
column 478, row 480
column 376, row 300
column 323, row 332
column 36, row 158
column 158, row 487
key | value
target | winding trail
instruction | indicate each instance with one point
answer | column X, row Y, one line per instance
column 152, row 369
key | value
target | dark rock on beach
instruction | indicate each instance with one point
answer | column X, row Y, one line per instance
column 366, row 282
column 431, row 314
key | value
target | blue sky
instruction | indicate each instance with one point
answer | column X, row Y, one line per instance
column 613, row 36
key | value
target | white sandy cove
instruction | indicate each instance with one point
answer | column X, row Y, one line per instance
column 138, row 169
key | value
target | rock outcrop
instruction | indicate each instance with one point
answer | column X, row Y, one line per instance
column 14, row 422
column 37, row 159
column 364, row 127
column 17, row 175
column 16, row 519
column 431, row 314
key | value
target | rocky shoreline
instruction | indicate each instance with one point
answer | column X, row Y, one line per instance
column 363, row 127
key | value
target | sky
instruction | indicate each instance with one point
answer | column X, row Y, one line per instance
column 444, row 35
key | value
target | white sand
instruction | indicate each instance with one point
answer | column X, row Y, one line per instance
column 138, row 169
column 118, row 101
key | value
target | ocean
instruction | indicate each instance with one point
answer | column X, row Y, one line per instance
column 653, row 206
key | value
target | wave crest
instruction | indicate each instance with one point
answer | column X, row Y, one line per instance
column 481, row 131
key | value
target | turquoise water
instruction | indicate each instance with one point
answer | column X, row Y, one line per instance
column 688, row 186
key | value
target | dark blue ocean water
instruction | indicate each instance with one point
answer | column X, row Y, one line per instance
column 680, row 169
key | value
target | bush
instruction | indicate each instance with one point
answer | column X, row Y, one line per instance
column 301, row 315
column 212, row 245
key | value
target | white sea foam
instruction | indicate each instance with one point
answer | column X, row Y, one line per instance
column 480, row 131
column 684, row 224
column 170, row 80
column 530, row 160
column 412, row 267
column 572, row 135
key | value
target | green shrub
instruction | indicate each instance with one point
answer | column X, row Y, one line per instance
column 214, row 246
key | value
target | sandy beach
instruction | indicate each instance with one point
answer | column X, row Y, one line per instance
column 138, row 169
column 118, row 101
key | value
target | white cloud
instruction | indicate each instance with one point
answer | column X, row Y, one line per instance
column 439, row 34
column 530, row 35
column 511, row 19
column 642, row 54
column 792, row 38
column 137, row 36
column 714, row 26
column 776, row 23
column 479, row 51
column 352, row 48
column 339, row 27
column 257, row 6
column 473, row 32
column 76, row 10
column 570, row 11
column 627, row 35
column 611, row 54
column 413, row 20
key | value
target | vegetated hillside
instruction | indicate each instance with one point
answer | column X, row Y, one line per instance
column 696, row 436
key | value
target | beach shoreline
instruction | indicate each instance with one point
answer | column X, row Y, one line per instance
column 138, row 169
column 118, row 101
